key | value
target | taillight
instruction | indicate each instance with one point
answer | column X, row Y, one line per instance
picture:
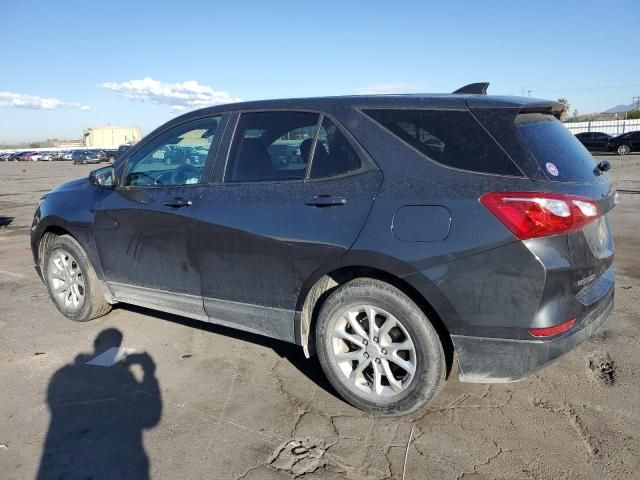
column 533, row 215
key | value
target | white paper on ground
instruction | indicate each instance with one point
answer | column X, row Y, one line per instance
column 110, row 357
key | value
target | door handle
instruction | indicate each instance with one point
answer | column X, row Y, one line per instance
column 326, row 201
column 178, row 203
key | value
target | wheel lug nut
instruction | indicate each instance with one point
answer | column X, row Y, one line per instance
column 375, row 339
column 384, row 352
column 377, row 360
column 364, row 342
column 366, row 355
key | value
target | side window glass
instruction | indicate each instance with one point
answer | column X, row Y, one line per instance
column 452, row 138
column 333, row 154
column 271, row 146
column 177, row 157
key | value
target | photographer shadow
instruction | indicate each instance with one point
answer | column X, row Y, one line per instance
column 99, row 414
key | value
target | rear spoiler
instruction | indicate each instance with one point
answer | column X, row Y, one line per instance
column 474, row 88
column 553, row 108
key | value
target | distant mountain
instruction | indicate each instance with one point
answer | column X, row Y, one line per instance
column 621, row 108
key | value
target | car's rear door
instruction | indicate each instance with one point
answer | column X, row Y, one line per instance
column 267, row 224
column 144, row 230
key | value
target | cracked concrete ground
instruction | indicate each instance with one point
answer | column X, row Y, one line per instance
column 228, row 405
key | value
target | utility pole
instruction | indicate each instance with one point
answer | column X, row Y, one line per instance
column 636, row 100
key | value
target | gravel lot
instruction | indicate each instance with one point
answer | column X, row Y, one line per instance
column 203, row 401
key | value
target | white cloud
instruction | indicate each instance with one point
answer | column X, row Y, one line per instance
column 22, row 100
column 177, row 109
column 389, row 88
column 180, row 96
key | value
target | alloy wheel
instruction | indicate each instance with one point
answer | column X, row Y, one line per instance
column 624, row 149
column 374, row 351
column 66, row 280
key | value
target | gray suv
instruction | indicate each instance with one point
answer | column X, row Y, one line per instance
column 409, row 232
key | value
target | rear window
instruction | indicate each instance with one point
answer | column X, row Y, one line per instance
column 558, row 152
column 452, row 138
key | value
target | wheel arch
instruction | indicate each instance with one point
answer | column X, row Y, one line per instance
column 51, row 229
column 47, row 234
column 321, row 286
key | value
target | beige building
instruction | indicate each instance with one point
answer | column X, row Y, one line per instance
column 111, row 136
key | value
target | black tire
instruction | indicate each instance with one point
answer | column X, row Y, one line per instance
column 430, row 364
column 94, row 304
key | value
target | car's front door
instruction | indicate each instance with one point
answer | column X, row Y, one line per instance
column 144, row 230
column 587, row 140
column 277, row 214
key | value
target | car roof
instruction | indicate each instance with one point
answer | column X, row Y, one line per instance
column 417, row 100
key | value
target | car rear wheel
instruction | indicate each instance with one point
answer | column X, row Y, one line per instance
column 71, row 280
column 378, row 349
column 624, row 149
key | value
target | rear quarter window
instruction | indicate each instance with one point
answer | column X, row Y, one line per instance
column 556, row 150
column 452, row 138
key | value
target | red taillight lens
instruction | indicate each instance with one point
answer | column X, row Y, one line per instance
column 550, row 331
column 533, row 215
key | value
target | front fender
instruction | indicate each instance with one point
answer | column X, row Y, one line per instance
column 68, row 211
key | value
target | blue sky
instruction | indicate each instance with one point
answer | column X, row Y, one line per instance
column 70, row 65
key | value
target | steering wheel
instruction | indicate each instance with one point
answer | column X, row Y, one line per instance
column 183, row 173
column 164, row 178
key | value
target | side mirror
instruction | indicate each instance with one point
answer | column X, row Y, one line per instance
column 103, row 177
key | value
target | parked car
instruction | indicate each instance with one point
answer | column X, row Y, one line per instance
column 112, row 154
column 14, row 157
column 594, row 141
column 413, row 227
column 625, row 143
column 68, row 155
column 122, row 149
column 85, row 156
column 25, row 156
column 36, row 156
column 99, row 153
column 4, row 157
column 50, row 156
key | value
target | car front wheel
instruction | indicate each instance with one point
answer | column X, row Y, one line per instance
column 624, row 149
column 71, row 281
column 378, row 349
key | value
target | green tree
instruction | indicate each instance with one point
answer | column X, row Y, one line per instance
column 633, row 115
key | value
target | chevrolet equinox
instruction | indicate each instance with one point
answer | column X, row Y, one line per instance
column 388, row 234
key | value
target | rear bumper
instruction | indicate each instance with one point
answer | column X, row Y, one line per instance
column 499, row 360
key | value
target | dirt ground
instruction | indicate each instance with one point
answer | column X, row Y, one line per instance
column 202, row 401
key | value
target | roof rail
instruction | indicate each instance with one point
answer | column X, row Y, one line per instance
column 476, row 88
